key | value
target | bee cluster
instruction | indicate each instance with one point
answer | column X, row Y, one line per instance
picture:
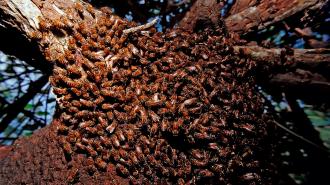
column 172, row 107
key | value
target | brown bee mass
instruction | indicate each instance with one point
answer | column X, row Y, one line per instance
column 165, row 108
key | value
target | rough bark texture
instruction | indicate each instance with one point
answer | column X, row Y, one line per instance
column 201, row 10
column 269, row 12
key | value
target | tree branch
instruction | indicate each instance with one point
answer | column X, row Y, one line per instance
column 201, row 9
column 269, row 12
column 312, row 59
column 11, row 111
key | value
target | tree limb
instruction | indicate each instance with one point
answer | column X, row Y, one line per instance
column 269, row 12
column 201, row 9
column 11, row 111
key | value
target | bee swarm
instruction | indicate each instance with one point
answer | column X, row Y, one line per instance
column 174, row 107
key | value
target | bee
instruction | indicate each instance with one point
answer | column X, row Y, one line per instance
column 86, row 103
column 111, row 128
column 110, row 115
column 108, row 93
column 120, row 135
column 60, row 91
column 67, row 147
column 73, row 136
column 122, row 170
column 139, row 152
column 247, row 127
column 205, row 173
column 115, row 155
column 80, row 146
column 159, row 145
column 106, row 141
column 154, row 117
column 76, row 91
column 79, row 7
column 62, row 129
column 36, row 35
column 91, row 151
column 102, row 122
column 115, row 141
column 74, row 70
column 143, row 115
column 72, row 83
column 176, row 126
column 133, row 158
column 100, row 163
column 106, row 154
column 86, row 124
column 69, row 56
column 122, row 39
column 164, row 171
column 108, row 106
column 94, row 36
column 145, row 140
column 82, row 114
column 129, row 135
column 91, row 130
column 44, row 25
column 154, row 128
column 73, row 110
column 72, row 175
column 198, row 154
column 164, row 125
column 250, row 176
column 90, row 9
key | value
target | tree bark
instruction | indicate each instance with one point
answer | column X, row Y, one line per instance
column 267, row 13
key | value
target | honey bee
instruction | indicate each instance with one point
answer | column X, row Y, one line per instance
column 91, row 130
column 176, row 126
column 120, row 135
column 115, row 155
column 90, row 9
column 154, row 117
column 106, row 141
column 154, row 128
column 60, row 91
column 129, row 135
column 79, row 7
column 139, row 153
column 133, row 158
column 72, row 175
column 44, row 25
column 91, row 151
column 100, row 163
column 73, row 136
column 122, row 170
column 115, row 141
column 72, row 83
column 73, row 110
column 74, row 70
column 86, row 124
column 76, row 91
column 67, row 148
column 111, row 128
column 80, row 146
column 108, row 106
column 62, row 129
column 36, row 35
column 82, row 114
column 110, row 115
column 250, row 176
column 164, row 125
column 86, row 103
